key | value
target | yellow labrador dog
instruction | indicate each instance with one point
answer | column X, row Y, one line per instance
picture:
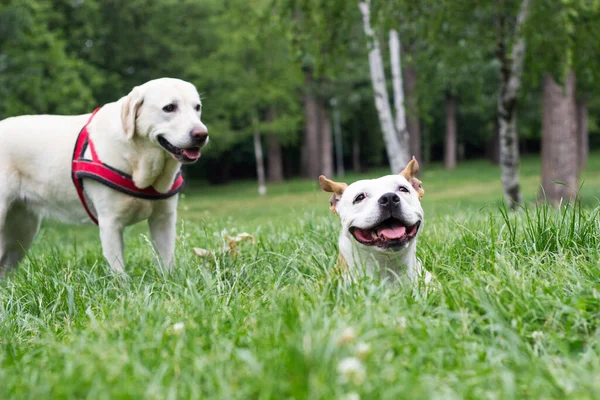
column 116, row 167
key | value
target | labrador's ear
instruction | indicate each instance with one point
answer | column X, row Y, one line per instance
column 129, row 111
column 410, row 173
column 337, row 188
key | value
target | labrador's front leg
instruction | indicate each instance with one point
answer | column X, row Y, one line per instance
column 111, row 235
column 163, row 230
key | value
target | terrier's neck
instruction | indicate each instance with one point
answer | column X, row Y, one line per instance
column 402, row 263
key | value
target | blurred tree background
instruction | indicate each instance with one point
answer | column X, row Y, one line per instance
column 284, row 75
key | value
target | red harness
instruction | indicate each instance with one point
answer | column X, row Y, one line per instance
column 107, row 175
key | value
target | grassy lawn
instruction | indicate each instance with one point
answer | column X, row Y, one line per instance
column 515, row 314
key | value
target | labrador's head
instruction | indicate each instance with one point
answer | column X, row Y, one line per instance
column 167, row 112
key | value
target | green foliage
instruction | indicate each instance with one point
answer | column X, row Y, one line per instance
column 252, row 68
column 321, row 32
column 248, row 57
column 36, row 73
column 564, row 35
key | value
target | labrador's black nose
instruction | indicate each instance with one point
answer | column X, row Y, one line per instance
column 389, row 200
column 199, row 135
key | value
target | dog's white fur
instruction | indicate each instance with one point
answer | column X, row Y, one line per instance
column 373, row 260
column 35, row 169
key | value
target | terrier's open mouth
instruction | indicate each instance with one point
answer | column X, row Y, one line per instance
column 183, row 155
column 390, row 233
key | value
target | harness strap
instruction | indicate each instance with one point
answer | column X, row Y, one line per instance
column 115, row 179
column 78, row 151
column 93, row 152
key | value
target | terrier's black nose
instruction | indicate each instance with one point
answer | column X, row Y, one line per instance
column 389, row 200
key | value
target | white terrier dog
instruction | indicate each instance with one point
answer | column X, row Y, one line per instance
column 381, row 219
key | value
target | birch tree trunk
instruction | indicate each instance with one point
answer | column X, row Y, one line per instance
column 583, row 132
column 450, row 148
column 511, row 72
column 258, row 155
column 396, row 155
column 397, row 85
column 559, row 141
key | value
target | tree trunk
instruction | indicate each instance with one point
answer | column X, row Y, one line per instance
column 275, row 161
column 356, row 167
column 510, row 84
column 509, row 159
column 559, row 141
column 399, row 107
column 275, row 171
column 412, row 122
column 258, row 155
column 326, row 147
column 397, row 156
column 583, row 133
column 414, row 127
column 450, row 148
column 310, row 148
column 337, row 130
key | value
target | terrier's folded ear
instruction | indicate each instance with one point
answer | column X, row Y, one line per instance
column 337, row 188
column 410, row 173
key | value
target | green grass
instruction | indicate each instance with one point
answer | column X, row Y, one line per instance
column 515, row 314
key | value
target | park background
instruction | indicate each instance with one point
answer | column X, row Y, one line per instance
column 279, row 77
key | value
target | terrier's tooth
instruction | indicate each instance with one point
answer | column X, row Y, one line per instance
column 373, row 235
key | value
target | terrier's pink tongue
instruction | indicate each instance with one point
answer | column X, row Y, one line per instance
column 192, row 153
column 363, row 235
column 395, row 232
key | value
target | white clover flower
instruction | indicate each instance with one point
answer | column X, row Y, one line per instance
column 402, row 324
column 347, row 336
column 537, row 335
column 363, row 349
column 352, row 370
column 351, row 396
column 178, row 328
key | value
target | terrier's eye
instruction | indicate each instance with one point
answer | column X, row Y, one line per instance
column 169, row 108
column 359, row 198
column 403, row 189
column 197, row 107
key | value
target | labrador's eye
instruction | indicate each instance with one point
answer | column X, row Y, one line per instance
column 169, row 108
column 403, row 189
column 197, row 107
column 359, row 198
